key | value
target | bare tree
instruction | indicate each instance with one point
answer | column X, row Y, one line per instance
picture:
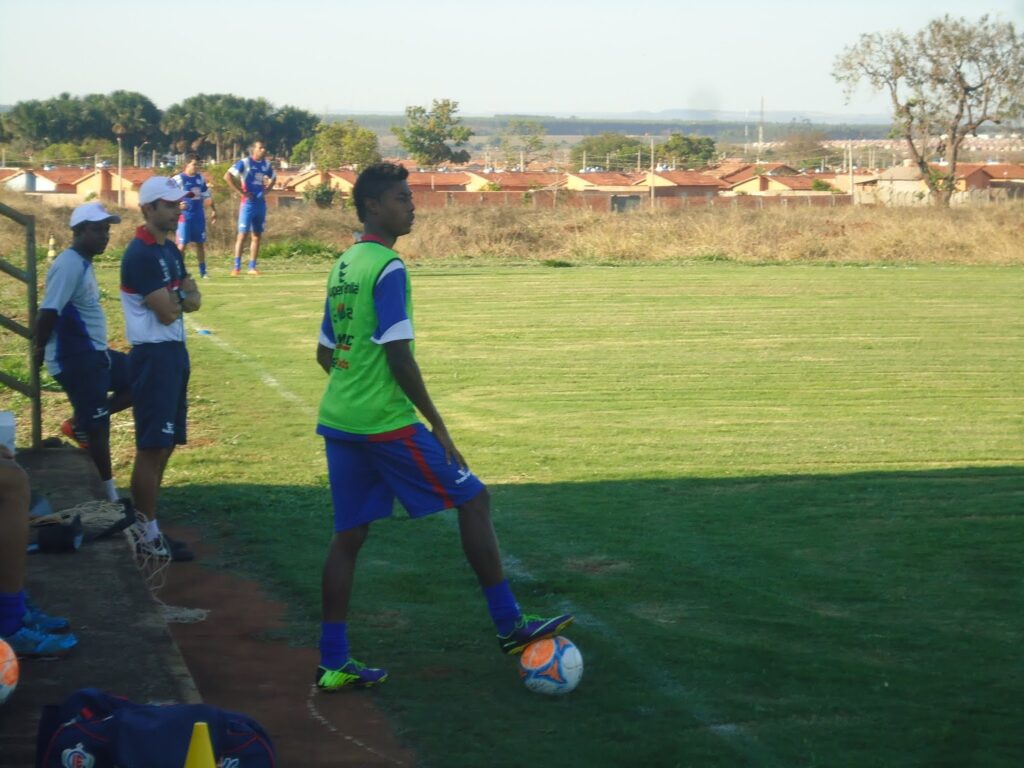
column 945, row 82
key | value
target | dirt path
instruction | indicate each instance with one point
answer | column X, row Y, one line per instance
column 237, row 668
column 126, row 647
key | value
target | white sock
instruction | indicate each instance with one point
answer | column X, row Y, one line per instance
column 108, row 486
column 152, row 530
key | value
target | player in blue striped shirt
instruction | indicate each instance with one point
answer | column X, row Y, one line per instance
column 192, row 220
column 251, row 177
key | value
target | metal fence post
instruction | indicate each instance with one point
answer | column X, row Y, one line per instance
column 27, row 276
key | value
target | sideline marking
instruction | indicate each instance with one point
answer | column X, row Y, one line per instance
column 291, row 397
column 264, row 376
column 728, row 732
column 736, row 736
column 319, row 717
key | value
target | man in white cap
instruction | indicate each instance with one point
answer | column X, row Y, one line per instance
column 71, row 336
column 155, row 292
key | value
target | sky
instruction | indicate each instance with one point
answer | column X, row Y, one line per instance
column 537, row 57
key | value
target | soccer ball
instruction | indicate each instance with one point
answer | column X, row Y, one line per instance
column 8, row 671
column 553, row 666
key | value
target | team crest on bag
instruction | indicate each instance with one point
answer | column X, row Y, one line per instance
column 77, row 757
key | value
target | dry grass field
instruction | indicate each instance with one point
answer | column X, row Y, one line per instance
column 989, row 235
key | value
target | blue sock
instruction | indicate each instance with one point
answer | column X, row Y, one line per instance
column 238, row 263
column 202, row 269
column 333, row 644
column 12, row 612
column 503, row 607
column 252, row 263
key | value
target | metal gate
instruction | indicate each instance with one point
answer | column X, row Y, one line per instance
column 29, row 389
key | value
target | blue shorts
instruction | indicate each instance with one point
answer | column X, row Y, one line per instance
column 191, row 230
column 160, row 374
column 367, row 476
column 252, row 215
column 88, row 380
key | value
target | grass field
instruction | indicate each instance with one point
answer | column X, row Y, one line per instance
column 785, row 503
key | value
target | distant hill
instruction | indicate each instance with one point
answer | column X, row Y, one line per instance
column 751, row 116
column 668, row 115
column 736, row 129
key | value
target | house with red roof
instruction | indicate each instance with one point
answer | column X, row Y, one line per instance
column 733, row 173
column 60, row 179
column 905, row 185
column 1005, row 175
column 605, row 181
column 438, row 181
column 343, row 180
column 681, row 184
column 128, row 183
column 767, row 185
column 514, row 181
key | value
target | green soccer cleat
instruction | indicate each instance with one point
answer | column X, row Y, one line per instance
column 351, row 674
column 530, row 629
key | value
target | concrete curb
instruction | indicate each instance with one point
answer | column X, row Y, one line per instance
column 125, row 646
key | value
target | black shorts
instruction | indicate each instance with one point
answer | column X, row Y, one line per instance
column 88, row 381
column 160, row 374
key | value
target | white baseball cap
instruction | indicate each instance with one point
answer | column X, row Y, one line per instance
column 161, row 188
column 92, row 212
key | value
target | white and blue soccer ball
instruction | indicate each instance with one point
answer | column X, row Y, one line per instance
column 553, row 666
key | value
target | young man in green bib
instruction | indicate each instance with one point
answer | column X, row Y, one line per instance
column 377, row 448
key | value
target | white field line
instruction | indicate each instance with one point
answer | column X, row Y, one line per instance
column 317, row 715
column 735, row 735
column 291, row 397
column 261, row 372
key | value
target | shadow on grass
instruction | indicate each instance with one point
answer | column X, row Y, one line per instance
column 861, row 619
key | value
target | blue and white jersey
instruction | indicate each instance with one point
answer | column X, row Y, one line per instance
column 197, row 187
column 393, row 324
column 252, row 173
column 73, row 293
column 146, row 266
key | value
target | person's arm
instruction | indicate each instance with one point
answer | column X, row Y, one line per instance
column 46, row 321
column 326, row 344
column 192, row 299
column 61, row 283
column 324, row 357
column 407, row 374
column 231, row 177
column 164, row 303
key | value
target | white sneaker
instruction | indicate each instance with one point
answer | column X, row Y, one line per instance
column 144, row 547
column 153, row 548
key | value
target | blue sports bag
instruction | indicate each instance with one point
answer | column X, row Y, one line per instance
column 94, row 729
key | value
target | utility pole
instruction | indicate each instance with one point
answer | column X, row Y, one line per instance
column 853, row 195
column 119, row 133
column 760, row 133
column 651, row 180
